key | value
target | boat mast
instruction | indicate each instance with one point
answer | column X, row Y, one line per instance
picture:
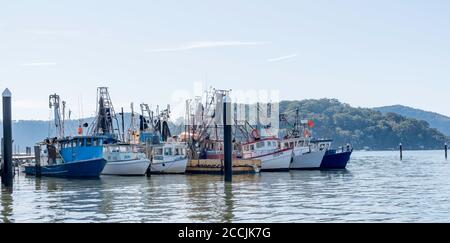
column 123, row 124
column 258, row 122
column 104, row 122
column 63, row 117
column 54, row 102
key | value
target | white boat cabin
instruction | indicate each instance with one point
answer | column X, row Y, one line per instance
column 306, row 144
column 169, row 151
column 122, row 152
column 260, row 148
column 295, row 142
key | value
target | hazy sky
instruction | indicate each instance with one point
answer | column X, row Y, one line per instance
column 366, row 53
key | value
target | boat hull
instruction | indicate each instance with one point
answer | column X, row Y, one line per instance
column 333, row 160
column 169, row 167
column 126, row 168
column 78, row 169
column 307, row 161
column 279, row 161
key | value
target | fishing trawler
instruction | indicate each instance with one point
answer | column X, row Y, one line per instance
column 267, row 150
column 168, row 156
column 307, row 154
column 334, row 158
column 79, row 156
column 203, row 134
column 262, row 145
column 123, row 158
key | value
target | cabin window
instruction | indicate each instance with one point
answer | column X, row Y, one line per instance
column 89, row 142
column 83, row 142
column 291, row 145
column 168, row 151
column 177, row 151
column 259, row 144
column 159, row 151
column 252, row 147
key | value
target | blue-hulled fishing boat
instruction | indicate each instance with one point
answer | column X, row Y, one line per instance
column 334, row 159
column 80, row 157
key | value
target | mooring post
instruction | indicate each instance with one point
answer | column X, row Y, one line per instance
column 37, row 158
column 445, row 148
column 227, row 139
column 1, row 155
column 7, row 173
column 401, row 151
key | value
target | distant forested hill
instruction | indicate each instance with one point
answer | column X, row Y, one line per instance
column 438, row 121
column 364, row 127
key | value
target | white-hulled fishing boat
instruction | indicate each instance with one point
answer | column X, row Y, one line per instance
column 124, row 159
column 306, row 155
column 267, row 150
column 169, row 158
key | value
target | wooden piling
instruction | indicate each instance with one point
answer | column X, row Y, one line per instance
column 401, row 151
column 37, row 157
column 227, row 140
column 7, row 172
column 445, row 148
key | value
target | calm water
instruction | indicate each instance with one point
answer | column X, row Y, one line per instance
column 376, row 187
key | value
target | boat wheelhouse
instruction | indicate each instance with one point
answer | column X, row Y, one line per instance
column 269, row 151
column 169, row 158
column 307, row 154
column 124, row 159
